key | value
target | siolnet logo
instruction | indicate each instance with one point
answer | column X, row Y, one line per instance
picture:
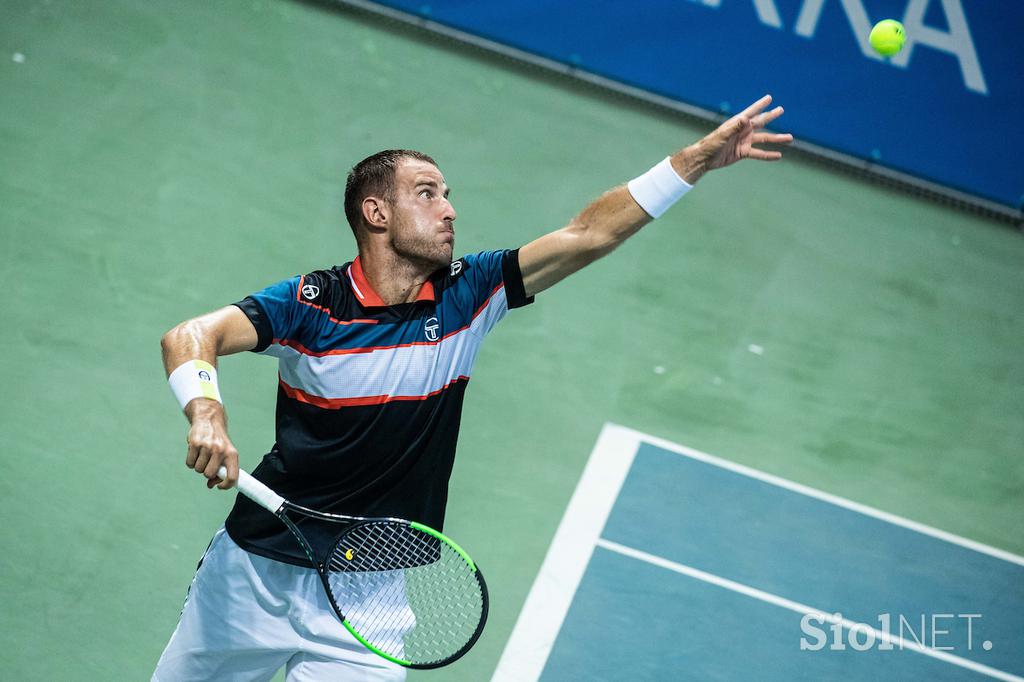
column 310, row 291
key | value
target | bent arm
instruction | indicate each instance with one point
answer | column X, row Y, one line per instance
column 615, row 216
column 221, row 332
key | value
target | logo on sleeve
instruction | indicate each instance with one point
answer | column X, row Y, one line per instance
column 430, row 328
column 310, row 291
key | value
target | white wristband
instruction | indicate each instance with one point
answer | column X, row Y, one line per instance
column 194, row 379
column 659, row 188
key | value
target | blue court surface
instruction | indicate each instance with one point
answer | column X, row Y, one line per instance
column 674, row 565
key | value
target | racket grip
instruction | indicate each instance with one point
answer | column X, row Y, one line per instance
column 256, row 491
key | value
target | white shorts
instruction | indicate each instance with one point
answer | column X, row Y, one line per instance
column 246, row 616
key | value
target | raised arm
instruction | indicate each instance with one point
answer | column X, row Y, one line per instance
column 204, row 339
column 616, row 215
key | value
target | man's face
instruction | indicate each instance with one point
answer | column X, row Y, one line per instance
column 423, row 217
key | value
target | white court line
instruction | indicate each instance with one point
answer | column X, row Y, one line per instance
column 803, row 609
column 547, row 604
column 578, row 533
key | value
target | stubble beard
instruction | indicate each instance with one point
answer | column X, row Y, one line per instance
column 423, row 252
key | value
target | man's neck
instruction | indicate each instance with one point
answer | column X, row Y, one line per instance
column 395, row 279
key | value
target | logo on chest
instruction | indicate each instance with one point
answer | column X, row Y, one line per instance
column 432, row 329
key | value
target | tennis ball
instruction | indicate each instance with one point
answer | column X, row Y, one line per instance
column 887, row 37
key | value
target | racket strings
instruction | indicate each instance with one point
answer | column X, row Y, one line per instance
column 406, row 592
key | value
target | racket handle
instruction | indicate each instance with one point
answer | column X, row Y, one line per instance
column 256, row 491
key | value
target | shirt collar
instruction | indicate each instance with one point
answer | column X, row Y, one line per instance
column 370, row 298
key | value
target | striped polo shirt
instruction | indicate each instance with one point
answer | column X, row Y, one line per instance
column 369, row 395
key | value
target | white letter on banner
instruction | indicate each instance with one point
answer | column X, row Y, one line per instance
column 810, row 12
column 767, row 12
column 957, row 42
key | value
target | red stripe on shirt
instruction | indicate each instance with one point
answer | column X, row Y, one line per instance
column 335, row 403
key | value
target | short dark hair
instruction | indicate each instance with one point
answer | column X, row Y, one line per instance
column 375, row 175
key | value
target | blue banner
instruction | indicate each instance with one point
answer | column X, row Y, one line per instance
column 949, row 108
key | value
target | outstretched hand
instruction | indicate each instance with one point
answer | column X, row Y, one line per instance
column 732, row 141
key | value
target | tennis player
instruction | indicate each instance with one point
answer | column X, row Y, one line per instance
column 374, row 357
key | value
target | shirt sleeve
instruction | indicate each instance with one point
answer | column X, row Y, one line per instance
column 515, row 290
column 274, row 312
column 496, row 285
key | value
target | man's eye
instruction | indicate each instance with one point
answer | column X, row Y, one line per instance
column 427, row 193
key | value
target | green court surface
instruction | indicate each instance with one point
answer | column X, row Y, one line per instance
column 161, row 160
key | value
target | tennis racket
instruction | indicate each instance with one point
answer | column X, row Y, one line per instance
column 404, row 590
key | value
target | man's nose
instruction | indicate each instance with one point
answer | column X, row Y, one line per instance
column 449, row 211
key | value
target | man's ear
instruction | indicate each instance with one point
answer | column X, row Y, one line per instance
column 376, row 212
